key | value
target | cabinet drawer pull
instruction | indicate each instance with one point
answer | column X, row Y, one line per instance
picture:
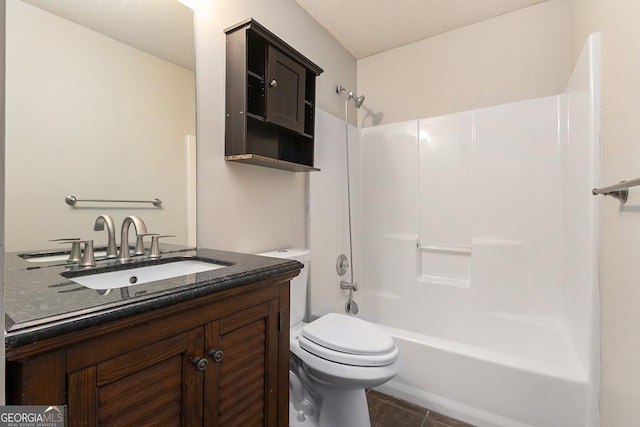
column 201, row 364
column 216, row 355
column 273, row 83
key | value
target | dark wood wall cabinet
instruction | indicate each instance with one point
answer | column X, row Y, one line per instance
column 270, row 100
column 218, row 360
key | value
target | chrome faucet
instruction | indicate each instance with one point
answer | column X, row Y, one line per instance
column 140, row 227
column 101, row 221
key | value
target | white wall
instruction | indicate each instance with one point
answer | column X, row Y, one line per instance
column 243, row 207
column 516, row 56
column 93, row 117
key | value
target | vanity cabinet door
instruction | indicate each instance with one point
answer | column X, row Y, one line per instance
column 157, row 384
column 241, row 386
column 285, row 91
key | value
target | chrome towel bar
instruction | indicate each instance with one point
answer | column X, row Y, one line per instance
column 71, row 201
column 620, row 191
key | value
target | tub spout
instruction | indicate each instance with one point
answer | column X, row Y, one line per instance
column 348, row 286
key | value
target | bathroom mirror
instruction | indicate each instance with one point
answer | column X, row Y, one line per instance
column 100, row 104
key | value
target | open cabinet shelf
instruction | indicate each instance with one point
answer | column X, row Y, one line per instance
column 270, row 162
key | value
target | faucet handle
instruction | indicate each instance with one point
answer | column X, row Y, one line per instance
column 74, row 253
column 88, row 259
column 155, row 245
column 139, row 249
column 84, row 258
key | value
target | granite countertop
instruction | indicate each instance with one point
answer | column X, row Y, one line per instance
column 40, row 303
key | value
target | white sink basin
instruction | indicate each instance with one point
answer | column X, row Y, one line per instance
column 136, row 276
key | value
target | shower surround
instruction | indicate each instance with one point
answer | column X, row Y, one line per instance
column 475, row 237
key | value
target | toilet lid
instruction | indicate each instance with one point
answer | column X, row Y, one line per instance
column 347, row 334
column 360, row 360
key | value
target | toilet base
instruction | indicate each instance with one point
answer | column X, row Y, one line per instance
column 338, row 408
column 344, row 408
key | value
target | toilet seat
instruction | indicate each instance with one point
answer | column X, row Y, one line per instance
column 348, row 340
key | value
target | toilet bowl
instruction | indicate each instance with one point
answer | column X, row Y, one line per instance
column 334, row 359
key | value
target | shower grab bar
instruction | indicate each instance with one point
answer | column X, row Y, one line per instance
column 620, row 191
column 461, row 250
column 71, row 201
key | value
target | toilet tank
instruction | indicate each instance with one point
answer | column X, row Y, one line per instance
column 298, row 289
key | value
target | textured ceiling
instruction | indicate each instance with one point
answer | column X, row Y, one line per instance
column 366, row 27
column 163, row 28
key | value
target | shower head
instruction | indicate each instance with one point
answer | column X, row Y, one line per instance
column 359, row 100
column 350, row 95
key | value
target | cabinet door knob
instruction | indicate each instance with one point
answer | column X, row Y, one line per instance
column 216, row 355
column 201, row 364
column 273, row 83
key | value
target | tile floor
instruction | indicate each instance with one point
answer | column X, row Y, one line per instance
column 387, row 411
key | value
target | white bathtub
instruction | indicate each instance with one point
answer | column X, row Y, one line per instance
column 496, row 370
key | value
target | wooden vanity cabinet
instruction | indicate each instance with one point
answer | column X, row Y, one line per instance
column 220, row 360
column 270, row 100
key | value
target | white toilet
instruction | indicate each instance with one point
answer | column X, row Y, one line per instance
column 333, row 360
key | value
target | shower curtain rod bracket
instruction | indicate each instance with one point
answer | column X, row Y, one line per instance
column 620, row 191
column 621, row 195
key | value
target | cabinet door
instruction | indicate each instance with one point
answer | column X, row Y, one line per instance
column 285, row 83
column 157, row 384
column 241, row 384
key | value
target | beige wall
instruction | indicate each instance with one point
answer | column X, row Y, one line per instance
column 242, row 207
column 520, row 55
column 619, row 228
